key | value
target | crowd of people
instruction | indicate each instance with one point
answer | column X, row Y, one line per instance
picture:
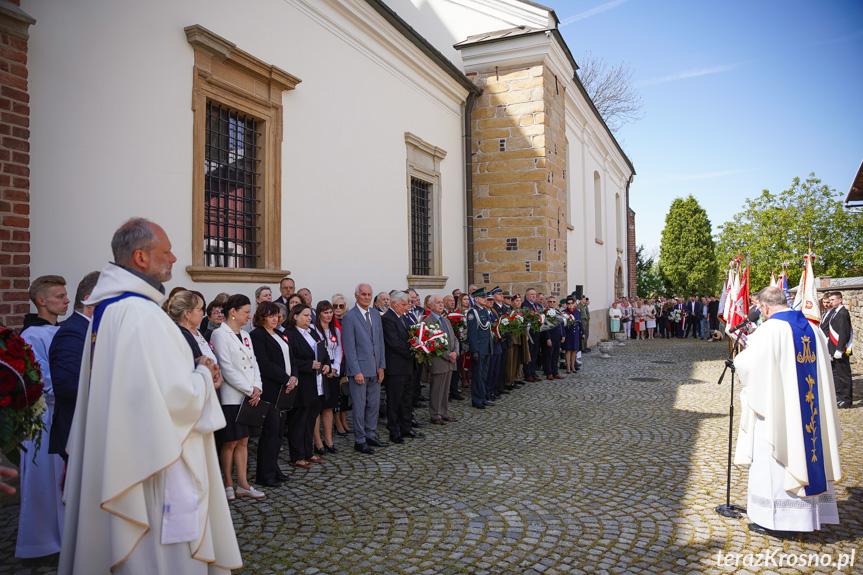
column 155, row 441
column 666, row 318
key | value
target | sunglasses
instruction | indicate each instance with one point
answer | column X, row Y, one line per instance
column 339, row 306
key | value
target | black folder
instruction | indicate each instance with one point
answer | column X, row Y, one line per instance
column 286, row 398
column 253, row 415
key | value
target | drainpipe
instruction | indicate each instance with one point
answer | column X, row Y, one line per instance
column 629, row 248
column 468, row 184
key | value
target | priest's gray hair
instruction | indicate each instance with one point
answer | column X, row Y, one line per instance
column 399, row 296
column 772, row 297
column 136, row 234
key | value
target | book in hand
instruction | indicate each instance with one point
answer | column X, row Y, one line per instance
column 286, row 398
column 253, row 415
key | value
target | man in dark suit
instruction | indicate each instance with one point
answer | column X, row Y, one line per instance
column 400, row 367
column 286, row 287
column 840, row 336
column 693, row 316
column 64, row 357
column 479, row 342
column 533, row 341
column 416, row 313
column 363, row 344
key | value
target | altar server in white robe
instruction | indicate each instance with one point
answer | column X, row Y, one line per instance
column 143, row 487
column 789, row 432
column 40, row 521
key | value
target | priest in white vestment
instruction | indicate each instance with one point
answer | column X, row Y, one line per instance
column 143, row 487
column 789, row 432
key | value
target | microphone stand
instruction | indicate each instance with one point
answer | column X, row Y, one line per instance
column 728, row 509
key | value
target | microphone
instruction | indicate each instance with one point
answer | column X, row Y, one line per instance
column 753, row 317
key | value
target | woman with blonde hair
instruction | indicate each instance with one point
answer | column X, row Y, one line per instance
column 340, row 412
column 186, row 308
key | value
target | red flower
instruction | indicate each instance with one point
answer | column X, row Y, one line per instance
column 14, row 346
column 5, row 401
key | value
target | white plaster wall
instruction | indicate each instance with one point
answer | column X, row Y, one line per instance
column 111, row 137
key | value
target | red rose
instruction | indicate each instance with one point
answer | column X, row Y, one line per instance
column 5, row 401
column 8, row 381
column 14, row 346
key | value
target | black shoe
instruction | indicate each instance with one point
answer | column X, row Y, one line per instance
column 415, row 423
column 456, row 396
column 844, row 404
column 319, row 451
column 269, row 483
column 421, row 398
column 587, row 350
column 396, row 438
column 331, row 448
column 489, row 404
column 343, row 433
column 282, row 477
column 756, row 528
column 376, row 442
column 503, row 392
column 475, row 406
column 363, row 448
column 414, row 434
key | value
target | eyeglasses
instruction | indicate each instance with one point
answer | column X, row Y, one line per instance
column 339, row 306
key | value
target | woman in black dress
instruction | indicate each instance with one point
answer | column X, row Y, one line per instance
column 332, row 336
column 310, row 373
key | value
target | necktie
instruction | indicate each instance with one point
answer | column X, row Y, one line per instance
column 369, row 321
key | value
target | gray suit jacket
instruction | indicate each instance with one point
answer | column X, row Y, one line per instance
column 442, row 364
column 364, row 351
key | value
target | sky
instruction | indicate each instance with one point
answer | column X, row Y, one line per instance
column 739, row 96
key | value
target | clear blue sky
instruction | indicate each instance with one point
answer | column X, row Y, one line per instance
column 738, row 96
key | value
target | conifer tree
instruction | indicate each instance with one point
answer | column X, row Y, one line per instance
column 687, row 258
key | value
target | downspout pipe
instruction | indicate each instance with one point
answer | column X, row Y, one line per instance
column 468, row 184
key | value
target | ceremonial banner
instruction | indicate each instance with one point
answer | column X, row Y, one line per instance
column 773, row 282
column 806, row 299
column 739, row 306
column 783, row 285
column 728, row 295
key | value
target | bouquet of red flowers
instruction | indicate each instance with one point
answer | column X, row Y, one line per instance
column 21, row 401
column 428, row 341
column 513, row 323
column 459, row 325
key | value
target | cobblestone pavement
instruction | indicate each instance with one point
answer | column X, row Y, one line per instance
column 595, row 473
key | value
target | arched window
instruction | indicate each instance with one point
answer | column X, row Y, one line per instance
column 597, row 205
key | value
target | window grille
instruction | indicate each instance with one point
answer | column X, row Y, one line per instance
column 420, row 227
column 232, row 188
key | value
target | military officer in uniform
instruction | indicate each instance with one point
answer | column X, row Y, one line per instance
column 480, row 343
column 502, row 309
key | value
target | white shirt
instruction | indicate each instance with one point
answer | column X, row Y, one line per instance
column 205, row 346
column 314, row 345
column 286, row 351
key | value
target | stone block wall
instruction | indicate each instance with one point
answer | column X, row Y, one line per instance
column 14, row 165
column 519, row 180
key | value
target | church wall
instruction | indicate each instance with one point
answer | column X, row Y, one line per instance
column 112, row 135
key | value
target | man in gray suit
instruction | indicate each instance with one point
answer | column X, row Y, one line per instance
column 441, row 368
column 363, row 344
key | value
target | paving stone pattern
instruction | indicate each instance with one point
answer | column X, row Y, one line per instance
column 595, row 473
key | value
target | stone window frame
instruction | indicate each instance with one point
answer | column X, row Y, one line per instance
column 226, row 74
column 423, row 163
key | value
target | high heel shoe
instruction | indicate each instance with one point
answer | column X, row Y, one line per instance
column 319, row 451
column 331, row 448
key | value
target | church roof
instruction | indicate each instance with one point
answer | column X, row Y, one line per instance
column 854, row 199
column 424, row 45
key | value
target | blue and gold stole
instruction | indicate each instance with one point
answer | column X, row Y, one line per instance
column 807, row 388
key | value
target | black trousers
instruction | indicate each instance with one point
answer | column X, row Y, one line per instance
column 453, row 382
column 399, row 402
column 269, row 444
column 301, row 425
column 842, row 377
column 691, row 325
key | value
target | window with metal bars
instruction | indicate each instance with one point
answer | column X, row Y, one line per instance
column 421, row 245
column 232, row 188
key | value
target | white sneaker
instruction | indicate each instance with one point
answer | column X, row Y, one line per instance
column 229, row 492
column 250, row 492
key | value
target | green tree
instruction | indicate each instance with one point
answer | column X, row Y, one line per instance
column 647, row 273
column 687, row 258
column 774, row 228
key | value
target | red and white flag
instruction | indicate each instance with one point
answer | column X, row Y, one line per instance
column 806, row 299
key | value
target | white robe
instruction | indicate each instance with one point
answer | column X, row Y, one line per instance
column 40, row 520
column 143, row 430
column 770, row 441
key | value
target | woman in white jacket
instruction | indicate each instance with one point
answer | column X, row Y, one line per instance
column 242, row 378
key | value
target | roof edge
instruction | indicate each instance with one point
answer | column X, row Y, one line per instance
column 424, row 45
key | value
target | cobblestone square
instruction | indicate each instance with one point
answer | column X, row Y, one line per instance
column 597, row 473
